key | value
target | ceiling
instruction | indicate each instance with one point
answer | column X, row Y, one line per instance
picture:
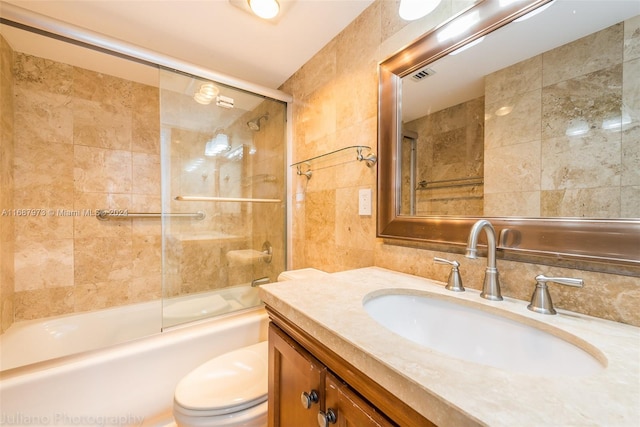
column 214, row 34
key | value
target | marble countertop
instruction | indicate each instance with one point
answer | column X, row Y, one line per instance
column 452, row 392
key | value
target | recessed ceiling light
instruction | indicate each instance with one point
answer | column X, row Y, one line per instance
column 265, row 9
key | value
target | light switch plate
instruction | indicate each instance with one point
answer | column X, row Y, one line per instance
column 364, row 201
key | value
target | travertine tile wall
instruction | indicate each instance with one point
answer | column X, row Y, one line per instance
column 450, row 161
column 6, row 186
column 335, row 99
column 561, row 150
column 83, row 141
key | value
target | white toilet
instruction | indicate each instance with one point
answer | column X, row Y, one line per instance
column 228, row 390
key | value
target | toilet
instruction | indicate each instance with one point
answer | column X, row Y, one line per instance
column 228, row 390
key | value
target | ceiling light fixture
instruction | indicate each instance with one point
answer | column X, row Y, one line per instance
column 411, row 10
column 265, row 9
column 207, row 92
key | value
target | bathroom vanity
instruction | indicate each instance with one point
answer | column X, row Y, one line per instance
column 328, row 354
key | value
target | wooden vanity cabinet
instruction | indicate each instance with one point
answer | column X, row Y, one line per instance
column 303, row 392
column 299, row 363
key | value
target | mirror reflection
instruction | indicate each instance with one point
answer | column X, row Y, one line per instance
column 515, row 125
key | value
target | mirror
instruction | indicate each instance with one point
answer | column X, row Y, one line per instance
column 479, row 118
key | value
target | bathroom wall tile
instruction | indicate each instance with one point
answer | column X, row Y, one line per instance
column 6, row 59
column 94, row 126
column 86, row 224
column 100, row 170
column 589, row 161
column 43, row 264
column 147, row 255
column 42, row 117
column 630, row 174
column 40, row 303
column 146, row 174
column 582, row 103
column 43, row 175
column 632, row 38
column 318, row 114
column 584, row 56
column 320, row 216
column 145, row 119
column 145, row 288
column 112, row 93
column 55, row 225
column 357, row 45
column 146, row 226
column 315, row 74
column 357, row 101
column 521, row 203
column 630, row 201
column 513, row 168
column 521, row 124
column 102, row 259
column 94, row 296
column 503, row 85
column 351, row 229
column 42, row 75
column 600, row 202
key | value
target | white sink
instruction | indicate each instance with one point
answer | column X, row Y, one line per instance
column 475, row 335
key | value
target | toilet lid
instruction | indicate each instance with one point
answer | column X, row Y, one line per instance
column 227, row 383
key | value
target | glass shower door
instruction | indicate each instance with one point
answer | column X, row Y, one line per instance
column 223, row 172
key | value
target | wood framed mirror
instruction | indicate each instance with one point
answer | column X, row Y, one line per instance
column 579, row 206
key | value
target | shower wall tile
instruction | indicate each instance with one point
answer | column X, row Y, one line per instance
column 146, row 173
column 7, row 232
column 584, row 56
column 630, row 174
column 43, row 75
column 100, row 170
column 43, row 174
column 43, row 264
column 95, row 127
column 43, row 117
column 112, row 93
column 44, row 303
column 145, row 126
column 102, row 259
column 86, row 141
column 94, row 296
column 86, row 224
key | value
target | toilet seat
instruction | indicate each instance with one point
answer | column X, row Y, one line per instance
column 232, row 385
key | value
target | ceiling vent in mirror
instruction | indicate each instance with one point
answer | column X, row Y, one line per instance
column 423, row 74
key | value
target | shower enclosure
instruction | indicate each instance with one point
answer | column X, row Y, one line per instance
column 130, row 181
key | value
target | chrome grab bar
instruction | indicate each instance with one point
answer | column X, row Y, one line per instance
column 107, row 214
column 224, row 199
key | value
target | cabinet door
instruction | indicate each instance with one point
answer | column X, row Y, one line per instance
column 292, row 372
column 344, row 408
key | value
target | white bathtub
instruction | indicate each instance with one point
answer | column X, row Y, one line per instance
column 128, row 384
column 33, row 341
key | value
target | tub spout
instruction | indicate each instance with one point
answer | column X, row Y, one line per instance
column 491, row 285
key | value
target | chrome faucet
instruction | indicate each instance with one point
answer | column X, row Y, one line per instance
column 491, row 285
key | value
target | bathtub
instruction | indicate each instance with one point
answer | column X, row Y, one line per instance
column 127, row 384
column 33, row 341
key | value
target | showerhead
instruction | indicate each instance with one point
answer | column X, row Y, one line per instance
column 254, row 124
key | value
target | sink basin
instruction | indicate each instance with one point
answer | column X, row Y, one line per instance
column 478, row 336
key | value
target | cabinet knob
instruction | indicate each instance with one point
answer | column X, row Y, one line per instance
column 324, row 419
column 308, row 399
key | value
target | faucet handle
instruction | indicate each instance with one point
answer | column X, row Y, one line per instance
column 541, row 298
column 454, row 282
